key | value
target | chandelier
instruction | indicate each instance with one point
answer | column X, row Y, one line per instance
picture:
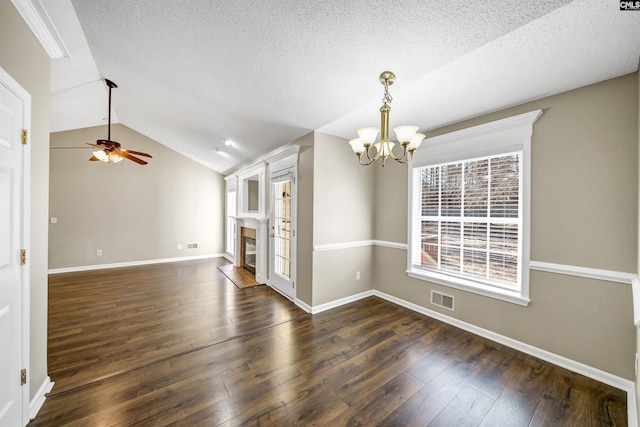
column 407, row 136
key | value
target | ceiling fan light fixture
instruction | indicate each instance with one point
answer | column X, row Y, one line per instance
column 106, row 157
column 115, row 158
column 101, row 155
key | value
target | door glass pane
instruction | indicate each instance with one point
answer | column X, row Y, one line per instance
column 282, row 230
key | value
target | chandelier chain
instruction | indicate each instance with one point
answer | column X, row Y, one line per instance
column 387, row 98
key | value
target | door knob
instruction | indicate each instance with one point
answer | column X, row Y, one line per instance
column 272, row 235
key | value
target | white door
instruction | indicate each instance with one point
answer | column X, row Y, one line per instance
column 282, row 232
column 12, row 396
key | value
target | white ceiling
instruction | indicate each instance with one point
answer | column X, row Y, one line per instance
column 264, row 73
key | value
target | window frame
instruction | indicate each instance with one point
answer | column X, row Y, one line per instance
column 231, row 211
column 495, row 138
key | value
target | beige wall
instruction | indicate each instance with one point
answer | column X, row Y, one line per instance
column 130, row 212
column 390, row 202
column 342, row 212
column 24, row 59
column 584, row 213
column 304, row 241
column 343, row 193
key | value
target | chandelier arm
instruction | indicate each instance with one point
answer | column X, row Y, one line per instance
column 374, row 158
column 366, row 163
column 404, row 155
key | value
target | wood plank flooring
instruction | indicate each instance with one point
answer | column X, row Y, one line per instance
column 179, row 344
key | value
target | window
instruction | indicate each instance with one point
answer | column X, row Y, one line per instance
column 469, row 194
column 231, row 220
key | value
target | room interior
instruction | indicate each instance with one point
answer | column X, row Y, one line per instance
column 584, row 310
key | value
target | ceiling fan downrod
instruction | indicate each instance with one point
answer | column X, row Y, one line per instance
column 111, row 86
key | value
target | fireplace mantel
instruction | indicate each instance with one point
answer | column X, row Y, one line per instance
column 262, row 245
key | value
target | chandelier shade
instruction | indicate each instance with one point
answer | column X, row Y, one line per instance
column 366, row 147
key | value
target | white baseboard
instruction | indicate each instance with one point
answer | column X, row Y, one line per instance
column 130, row 264
column 342, row 301
column 39, row 398
column 303, row 305
column 623, row 384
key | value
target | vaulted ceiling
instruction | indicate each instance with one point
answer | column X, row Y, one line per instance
column 263, row 73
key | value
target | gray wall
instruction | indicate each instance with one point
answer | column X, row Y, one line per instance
column 584, row 213
column 130, row 212
column 26, row 61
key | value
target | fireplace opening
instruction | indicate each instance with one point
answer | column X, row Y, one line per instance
column 249, row 254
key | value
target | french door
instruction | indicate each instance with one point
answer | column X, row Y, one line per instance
column 282, row 232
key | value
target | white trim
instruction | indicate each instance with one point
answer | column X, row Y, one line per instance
column 131, row 263
column 635, row 290
column 271, row 156
column 589, row 273
column 494, row 138
column 632, row 408
column 40, row 396
column 394, row 245
column 38, row 20
column 303, row 305
column 358, row 244
column 345, row 245
column 572, row 365
column 342, row 301
column 476, row 288
column 571, row 270
column 284, row 159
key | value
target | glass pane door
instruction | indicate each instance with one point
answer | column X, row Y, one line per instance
column 282, row 229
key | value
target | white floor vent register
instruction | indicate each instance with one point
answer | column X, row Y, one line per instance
column 442, row 300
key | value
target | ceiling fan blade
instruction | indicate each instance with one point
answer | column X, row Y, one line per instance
column 68, row 148
column 138, row 153
column 126, row 155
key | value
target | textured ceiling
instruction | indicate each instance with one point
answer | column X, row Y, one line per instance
column 263, row 73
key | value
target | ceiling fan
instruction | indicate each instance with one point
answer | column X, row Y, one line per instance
column 111, row 151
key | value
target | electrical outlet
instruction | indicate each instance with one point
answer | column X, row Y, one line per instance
column 99, row 252
column 357, row 275
column 179, row 247
column 54, row 220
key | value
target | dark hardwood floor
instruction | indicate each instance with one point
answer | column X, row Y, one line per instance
column 179, row 344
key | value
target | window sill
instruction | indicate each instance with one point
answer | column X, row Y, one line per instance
column 469, row 286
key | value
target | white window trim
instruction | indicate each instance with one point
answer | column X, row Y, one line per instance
column 229, row 220
column 501, row 136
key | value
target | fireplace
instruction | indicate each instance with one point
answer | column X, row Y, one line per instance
column 248, row 249
column 256, row 230
column 249, row 254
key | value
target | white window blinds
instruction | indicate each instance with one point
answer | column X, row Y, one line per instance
column 467, row 219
